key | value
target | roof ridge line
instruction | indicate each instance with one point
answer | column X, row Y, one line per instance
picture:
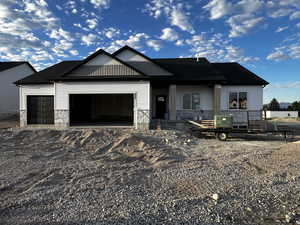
column 95, row 54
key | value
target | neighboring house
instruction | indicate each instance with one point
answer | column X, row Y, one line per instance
column 281, row 114
column 9, row 93
column 129, row 88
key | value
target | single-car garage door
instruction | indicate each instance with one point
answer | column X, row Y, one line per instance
column 40, row 110
column 101, row 109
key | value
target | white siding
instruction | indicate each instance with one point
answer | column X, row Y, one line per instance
column 254, row 94
column 9, row 94
column 26, row 90
column 141, row 89
column 148, row 67
column 206, row 96
column 128, row 55
column 101, row 60
column 281, row 114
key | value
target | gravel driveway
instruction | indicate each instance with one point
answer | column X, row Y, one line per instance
column 155, row 177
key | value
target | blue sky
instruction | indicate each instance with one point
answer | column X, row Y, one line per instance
column 263, row 35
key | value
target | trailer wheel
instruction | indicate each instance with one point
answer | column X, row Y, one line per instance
column 222, row 136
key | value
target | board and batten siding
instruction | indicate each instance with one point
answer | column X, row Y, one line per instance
column 254, row 95
column 106, row 70
column 103, row 65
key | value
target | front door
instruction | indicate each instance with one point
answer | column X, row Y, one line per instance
column 161, row 106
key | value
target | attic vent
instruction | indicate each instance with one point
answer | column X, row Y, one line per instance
column 107, row 70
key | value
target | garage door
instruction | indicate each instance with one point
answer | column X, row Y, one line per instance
column 40, row 110
column 101, row 109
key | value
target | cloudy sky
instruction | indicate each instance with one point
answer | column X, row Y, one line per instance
column 263, row 35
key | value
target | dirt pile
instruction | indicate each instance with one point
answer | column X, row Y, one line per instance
column 109, row 144
column 130, row 147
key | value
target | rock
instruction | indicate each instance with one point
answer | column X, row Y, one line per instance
column 249, row 209
column 215, row 197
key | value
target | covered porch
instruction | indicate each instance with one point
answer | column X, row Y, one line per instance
column 174, row 104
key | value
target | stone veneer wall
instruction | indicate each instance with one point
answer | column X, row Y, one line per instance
column 143, row 119
column 23, row 118
column 62, row 118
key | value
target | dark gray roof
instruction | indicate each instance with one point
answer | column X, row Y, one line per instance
column 183, row 70
column 236, row 74
column 9, row 65
column 47, row 75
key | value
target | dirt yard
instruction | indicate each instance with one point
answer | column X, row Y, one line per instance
column 157, row 177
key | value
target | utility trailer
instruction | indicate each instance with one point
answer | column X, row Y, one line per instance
column 222, row 133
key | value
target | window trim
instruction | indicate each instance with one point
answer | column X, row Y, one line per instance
column 191, row 99
column 238, row 101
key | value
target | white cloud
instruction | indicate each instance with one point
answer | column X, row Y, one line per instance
column 100, row 3
column 74, row 52
column 289, row 49
column 295, row 15
column 217, row 49
column 221, row 8
column 180, row 19
column 111, row 32
column 243, row 24
column 280, row 29
column 61, row 34
column 173, row 10
column 169, row 34
column 137, row 41
column 179, row 42
column 92, row 23
column 88, row 39
column 280, row 13
column 286, row 85
column 155, row 44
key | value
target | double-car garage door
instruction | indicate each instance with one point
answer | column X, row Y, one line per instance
column 85, row 109
column 101, row 109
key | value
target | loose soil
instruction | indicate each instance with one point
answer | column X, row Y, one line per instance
column 110, row 176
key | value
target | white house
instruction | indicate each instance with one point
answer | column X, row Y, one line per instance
column 281, row 114
column 9, row 93
column 130, row 89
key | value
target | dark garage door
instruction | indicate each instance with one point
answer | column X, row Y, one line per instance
column 101, row 109
column 40, row 109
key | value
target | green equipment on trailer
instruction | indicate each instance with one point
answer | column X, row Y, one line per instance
column 221, row 121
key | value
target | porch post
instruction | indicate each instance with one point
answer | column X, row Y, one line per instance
column 217, row 99
column 172, row 102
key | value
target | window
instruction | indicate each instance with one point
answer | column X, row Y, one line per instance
column 187, row 101
column 191, row 101
column 238, row 100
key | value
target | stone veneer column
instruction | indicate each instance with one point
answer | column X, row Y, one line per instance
column 217, row 99
column 23, row 118
column 143, row 119
column 172, row 102
column 62, row 118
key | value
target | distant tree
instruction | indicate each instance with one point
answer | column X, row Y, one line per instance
column 266, row 107
column 296, row 106
column 290, row 108
column 274, row 105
